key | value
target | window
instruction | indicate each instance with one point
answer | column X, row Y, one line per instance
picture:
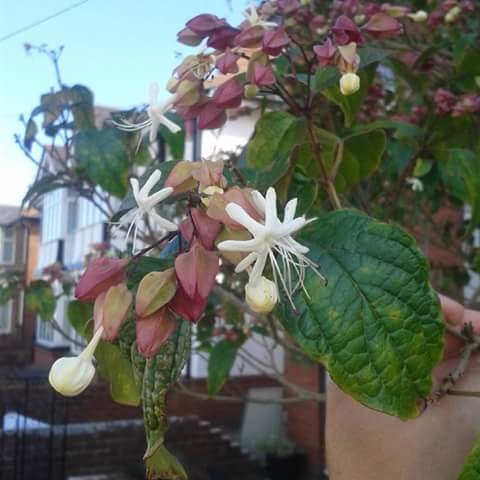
column 6, row 317
column 8, row 246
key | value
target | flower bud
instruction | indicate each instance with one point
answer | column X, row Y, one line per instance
column 261, row 296
column 419, row 16
column 349, row 83
column 70, row 376
column 453, row 14
column 155, row 290
column 250, row 91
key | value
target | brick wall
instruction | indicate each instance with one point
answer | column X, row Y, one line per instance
column 306, row 420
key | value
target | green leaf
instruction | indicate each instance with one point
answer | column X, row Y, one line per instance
column 116, row 369
column 101, row 156
column 143, row 265
column 305, row 189
column 461, row 175
column 46, row 184
column 31, row 131
column 471, row 469
column 361, row 157
column 220, row 363
column 82, row 107
column 377, row 325
column 40, row 299
column 276, row 135
column 402, row 129
column 78, row 314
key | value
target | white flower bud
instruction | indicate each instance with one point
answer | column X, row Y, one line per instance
column 419, row 16
column 453, row 14
column 70, row 376
column 261, row 296
column 349, row 83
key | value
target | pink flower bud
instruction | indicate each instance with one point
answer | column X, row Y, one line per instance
column 223, row 37
column 188, row 37
column 227, row 63
column 155, row 290
column 345, row 31
column 382, row 26
column 153, row 331
column 251, row 37
column 196, row 271
column 211, row 116
column 229, row 94
column 274, row 41
column 260, row 75
column 202, row 227
column 100, row 275
column 204, row 24
column 325, row 53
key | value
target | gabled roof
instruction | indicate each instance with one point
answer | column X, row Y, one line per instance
column 9, row 214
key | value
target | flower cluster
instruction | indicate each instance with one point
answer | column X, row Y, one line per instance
column 447, row 103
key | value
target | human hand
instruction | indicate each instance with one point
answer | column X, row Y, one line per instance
column 366, row 445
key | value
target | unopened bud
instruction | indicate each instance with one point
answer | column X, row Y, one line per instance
column 359, row 19
column 349, row 83
column 261, row 296
column 453, row 14
column 172, row 84
column 250, row 91
column 70, row 376
column 419, row 16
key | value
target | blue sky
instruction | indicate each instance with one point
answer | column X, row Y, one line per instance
column 115, row 47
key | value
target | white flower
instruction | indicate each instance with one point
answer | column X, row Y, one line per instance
column 254, row 19
column 419, row 16
column 415, row 184
column 156, row 116
column 270, row 238
column 72, row 375
column 146, row 207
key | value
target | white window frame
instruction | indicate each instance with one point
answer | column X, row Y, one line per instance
column 9, row 307
column 3, row 239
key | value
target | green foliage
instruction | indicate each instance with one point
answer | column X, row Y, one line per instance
column 269, row 151
column 101, row 155
column 79, row 314
column 220, row 362
column 471, row 469
column 40, row 299
column 175, row 141
column 377, row 325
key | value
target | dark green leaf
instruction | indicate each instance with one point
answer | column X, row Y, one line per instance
column 78, row 314
column 276, row 134
column 144, row 265
column 82, row 107
column 175, row 141
column 101, row 156
column 471, row 469
column 220, row 362
column 377, row 325
column 30, row 131
column 40, row 299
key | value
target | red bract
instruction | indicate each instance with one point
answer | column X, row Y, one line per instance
column 223, row 37
column 227, row 63
column 190, row 309
column 153, row 331
column 260, row 75
column 204, row 24
column 469, row 103
column 229, row 94
column 444, row 101
column 211, row 116
column 101, row 274
column 325, row 53
column 345, row 31
column 251, row 37
column 188, row 37
column 204, row 228
column 196, row 271
column 274, row 41
column 382, row 26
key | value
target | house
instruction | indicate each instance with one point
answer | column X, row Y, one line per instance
column 19, row 238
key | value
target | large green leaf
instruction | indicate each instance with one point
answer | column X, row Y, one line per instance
column 101, row 155
column 461, row 175
column 40, row 299
column 276, row 135
column 82, row 107
column 116, row 369
column 78, row 314
column 377, row 325
column 220, row 362
column 471, row 469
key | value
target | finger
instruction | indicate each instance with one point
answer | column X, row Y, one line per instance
column 453, row 311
